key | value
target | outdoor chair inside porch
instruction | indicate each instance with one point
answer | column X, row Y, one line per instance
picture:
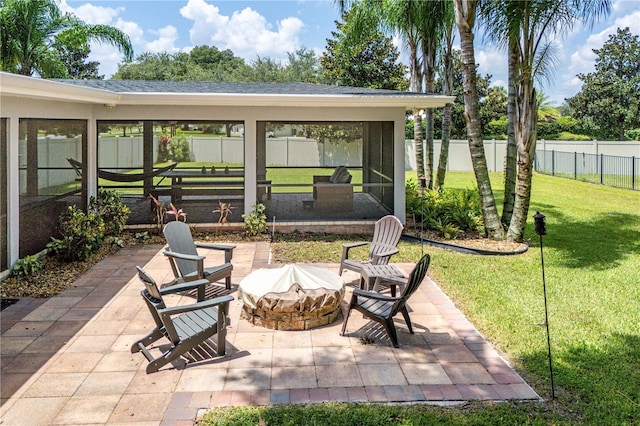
column 185, row 326
column 386, row 234
column 187, row 264
column 382, row 308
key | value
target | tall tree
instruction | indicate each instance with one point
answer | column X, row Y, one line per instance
column 610, row 97
column 400, row 17
column 74, row 55
column 447, row 90
column 465, row 21
column 30, row 29
column 528, row 28
column 369, row 60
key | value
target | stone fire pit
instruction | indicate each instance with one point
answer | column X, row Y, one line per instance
column 292, row 297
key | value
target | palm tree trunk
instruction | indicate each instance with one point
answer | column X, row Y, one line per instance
column 447, row 87
column 429, row 58
column 511, row 158
column 415, row 85
column 417, row 140
column 444, row 146
column 465, row 18
column 526, row 135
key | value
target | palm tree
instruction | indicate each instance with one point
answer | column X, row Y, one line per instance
column 395, row 16
column 447, row 89
column 465, row 12
column 30, row 29
column 528, row 28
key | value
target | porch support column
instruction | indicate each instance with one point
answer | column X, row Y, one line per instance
column 250, row 164
column 13, row 190
column 398, row 168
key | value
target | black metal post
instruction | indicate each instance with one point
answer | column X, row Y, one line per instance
column 542, row 230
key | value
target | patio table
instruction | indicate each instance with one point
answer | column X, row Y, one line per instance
column 373, row 276
column 193, row 182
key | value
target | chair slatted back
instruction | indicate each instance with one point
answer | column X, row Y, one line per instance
column 413, row 282
column 386, row 233
column 180, row 240
column 153, row 298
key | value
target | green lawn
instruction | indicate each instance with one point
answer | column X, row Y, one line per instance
column 592, row 268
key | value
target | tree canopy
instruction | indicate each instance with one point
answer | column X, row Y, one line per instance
column 37, row 38
column 609, row 100
column 370, row 60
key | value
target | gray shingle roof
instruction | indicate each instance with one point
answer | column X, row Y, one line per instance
column 143, row 86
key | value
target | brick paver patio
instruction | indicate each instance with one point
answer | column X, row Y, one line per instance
column 66, row 360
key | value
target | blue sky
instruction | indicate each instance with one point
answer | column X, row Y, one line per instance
column 268, row 28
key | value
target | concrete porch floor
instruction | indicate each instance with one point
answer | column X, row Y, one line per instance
column 66, row 360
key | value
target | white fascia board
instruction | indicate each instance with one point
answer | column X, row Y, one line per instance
column 36, row 88
column 232, row 99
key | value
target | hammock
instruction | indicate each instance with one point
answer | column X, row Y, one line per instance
column 122, row 177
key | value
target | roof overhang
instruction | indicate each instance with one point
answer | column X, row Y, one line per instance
column 35, row 88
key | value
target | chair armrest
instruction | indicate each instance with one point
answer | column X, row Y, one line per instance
column 190, row 285
column 320, row 178
column 228, row 249
column 195, row 258
column 195, row 306
column 374, row 295
column 387, row 252
column 352, row 245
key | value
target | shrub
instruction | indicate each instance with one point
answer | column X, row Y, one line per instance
column 180, row 148
column 255, row 222
column 27, row 266
column 447, row 211
column 108, row 205
column 82, row 235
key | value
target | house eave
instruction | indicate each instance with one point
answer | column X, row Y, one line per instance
column 36, row 88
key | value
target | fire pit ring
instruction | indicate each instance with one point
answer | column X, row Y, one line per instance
column 292, row 297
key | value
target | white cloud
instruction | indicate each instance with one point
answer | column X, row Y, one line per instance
column 97, row 15
column 246, row 33
column 165, row 42
column 492, row 61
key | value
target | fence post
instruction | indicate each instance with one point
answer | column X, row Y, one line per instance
column 553, row 162
column 575, row 165
column 633, row 172
column 601, row 169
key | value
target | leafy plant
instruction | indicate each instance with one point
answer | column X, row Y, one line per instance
column 255, row 222
column 27, row 266
column 180, row 148
column 142, row 235
column 108, row 205
column 82, row 234
column 450, row 212
column 176, row 213
column 159, row 209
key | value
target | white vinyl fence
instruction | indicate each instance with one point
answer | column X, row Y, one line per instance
column 126, row 152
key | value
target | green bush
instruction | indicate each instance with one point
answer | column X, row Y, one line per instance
column 108, row 205
column 180, row 148
column 447, row 211
column 255, row 222
column 27, row 266
column 82, row 235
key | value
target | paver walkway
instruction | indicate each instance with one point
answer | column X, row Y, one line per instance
column 66, row 360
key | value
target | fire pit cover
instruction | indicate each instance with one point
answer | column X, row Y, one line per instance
column 291, row 288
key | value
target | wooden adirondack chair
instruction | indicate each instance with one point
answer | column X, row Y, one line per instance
column 187, row 264
column 386, row 234
column 382, row 308
column 184, row 326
